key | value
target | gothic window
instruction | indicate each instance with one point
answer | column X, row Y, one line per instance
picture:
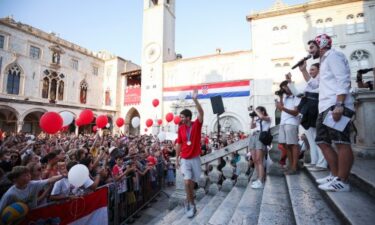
column 60, row 96
column 286, row 64
column 350, row 24
column 13, row 80
column 53, row 86
column 83, row 92
column 2, row 41
column 45, row 87
column 360, row 59
column 74, row 64
column 277, row 65
column 360, row 23
column 95, row 70
column 329, row 26
column 53, row 89
column 275, row 28
column 107, row 97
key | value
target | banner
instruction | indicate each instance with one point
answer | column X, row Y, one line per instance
column 228, row 89
column 132, row 96
column 90, row 209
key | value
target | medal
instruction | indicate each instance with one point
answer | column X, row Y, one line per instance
column 188, row 143
column 188, row 135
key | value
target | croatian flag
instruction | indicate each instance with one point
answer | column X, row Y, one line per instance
column 229, row 89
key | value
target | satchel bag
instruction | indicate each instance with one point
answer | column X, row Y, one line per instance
column 265, row 136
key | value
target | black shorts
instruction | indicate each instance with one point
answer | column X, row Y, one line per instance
column 329, row 135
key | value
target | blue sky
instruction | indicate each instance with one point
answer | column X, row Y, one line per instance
column 116, row 25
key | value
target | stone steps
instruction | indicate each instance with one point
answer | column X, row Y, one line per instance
column 206, row 213
column 173, row 215
column 276, row 207
column 363, row 175
column 309, row 206
column 199, row 205
column 248, row 208
column 355, row 207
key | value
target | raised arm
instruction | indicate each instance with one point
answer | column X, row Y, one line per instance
column 198, row 106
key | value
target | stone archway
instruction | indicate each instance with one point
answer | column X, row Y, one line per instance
column 129, row 129
column 228, row 123
column 31, row 119
column 8, row 118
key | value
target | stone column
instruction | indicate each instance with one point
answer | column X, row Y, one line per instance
column 203, row 180
column 365, row 123
column 242, row 165
column 179, row 195
column 19, row 126
column 214, row 176
column 228, row 171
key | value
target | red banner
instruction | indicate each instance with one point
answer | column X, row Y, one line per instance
column 132, row 96
column 88, row 209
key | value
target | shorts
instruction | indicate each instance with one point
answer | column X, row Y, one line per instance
column 191, row 168
column 288, row 134
column 327, row 135
column 255, row 144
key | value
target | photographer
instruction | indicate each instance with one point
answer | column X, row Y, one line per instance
column 309, row 110
column 288, row 131
column 368, row 84
column 261, row 122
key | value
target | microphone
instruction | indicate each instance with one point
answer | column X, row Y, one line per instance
column 301, row 61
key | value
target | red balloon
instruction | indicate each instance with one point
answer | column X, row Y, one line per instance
column 155, row 102
column 160, row 121
column 78, row 122
column 120, row 122
column 177, row 120
column 101, row 121
column 149, row 122
column 86, row 116
column 51, row 122
column 169, row 117
column 94, row 128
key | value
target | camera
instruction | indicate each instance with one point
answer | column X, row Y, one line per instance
column 363, row 71
column 252, row 114
column 279, row 92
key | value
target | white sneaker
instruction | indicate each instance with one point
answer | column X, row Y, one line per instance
column 257, row 184
column 191, row 212
column 335, row 185
column 326, row 179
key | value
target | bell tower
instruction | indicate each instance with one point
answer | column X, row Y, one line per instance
column 158, row 46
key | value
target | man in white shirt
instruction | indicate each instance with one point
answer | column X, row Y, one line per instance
column 288, row 131
column 334, row 97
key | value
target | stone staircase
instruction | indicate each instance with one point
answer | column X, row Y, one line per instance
column 292, row 199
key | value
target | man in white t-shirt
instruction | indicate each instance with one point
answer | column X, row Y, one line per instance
column 288, row 131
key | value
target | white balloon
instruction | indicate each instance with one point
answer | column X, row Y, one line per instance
column 67, row 118
column 135, row 122
column 182, row 95
column 108, row 125
column 162, row 136
column 78, row 175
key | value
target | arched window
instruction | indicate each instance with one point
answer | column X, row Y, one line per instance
column 350, row 24
column 277, row 65
column 45, row 87
column 360, row 59
column 360, row 23
column 319, row 26
column 284, row 27
column 53, row 86
column 275, row 28
column 329, row 26
column 13, row 80
column 60, row 96
column 83, row 92
column 286, row 64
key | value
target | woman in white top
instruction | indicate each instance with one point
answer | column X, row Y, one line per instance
column 257, row 148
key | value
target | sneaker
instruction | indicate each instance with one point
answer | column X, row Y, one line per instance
column 191, row 212
column 335, row 185
column 257, row 185
column 326, row 179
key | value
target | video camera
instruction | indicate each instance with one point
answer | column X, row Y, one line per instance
column 361, row 72
column 252, row 114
